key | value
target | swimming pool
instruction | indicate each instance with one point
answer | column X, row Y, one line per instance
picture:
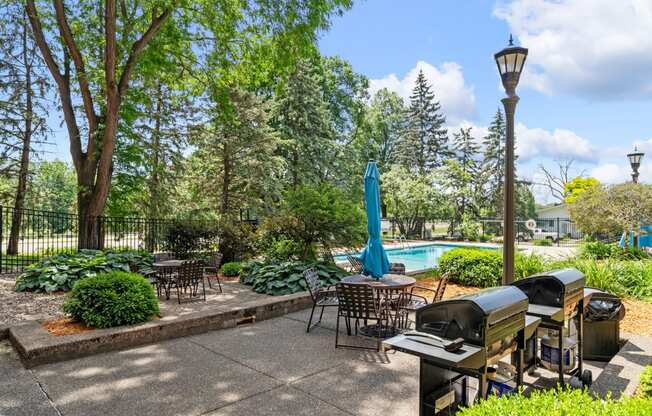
column 417, row 258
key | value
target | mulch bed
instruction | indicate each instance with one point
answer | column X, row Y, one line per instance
column 16, row 307
column 66, row 326
column 638, row 314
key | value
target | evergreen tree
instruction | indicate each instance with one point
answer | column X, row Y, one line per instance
column 424, row 144
column 493, row 166
column 462, row 177
column 304, row 124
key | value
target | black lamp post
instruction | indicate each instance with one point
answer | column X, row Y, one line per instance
column 510, row 63
column 635, row 163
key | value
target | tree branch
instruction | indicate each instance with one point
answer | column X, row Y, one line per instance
column 66, row 34
column 138, row 47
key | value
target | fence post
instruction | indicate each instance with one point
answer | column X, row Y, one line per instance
column 558, row 236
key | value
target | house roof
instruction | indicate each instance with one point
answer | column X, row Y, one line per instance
column 550, row 208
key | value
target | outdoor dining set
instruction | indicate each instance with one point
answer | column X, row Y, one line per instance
column 186, row 277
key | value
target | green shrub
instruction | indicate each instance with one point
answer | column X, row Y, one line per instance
column 472, row 266
column 632, row 278
column 556, row 403
column 486, row 237
column 599, row 251
column 231, row 269
column 525, row 266
column 543, row 243
column 238, row 239
column 645, row 386
column 279, row 249
column 470, row 230
column 287, row 277
column 112, row 299
column 62, row 271
column 185, row 238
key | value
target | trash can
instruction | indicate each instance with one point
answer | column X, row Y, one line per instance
column 602, row 318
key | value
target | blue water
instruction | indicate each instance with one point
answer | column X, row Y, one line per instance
column 415, row 258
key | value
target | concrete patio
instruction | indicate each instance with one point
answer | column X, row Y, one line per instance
column 268, row 368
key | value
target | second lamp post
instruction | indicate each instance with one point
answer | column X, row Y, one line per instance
column 510, row 63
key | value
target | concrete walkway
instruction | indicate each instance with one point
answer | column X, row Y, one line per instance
column 268, row 368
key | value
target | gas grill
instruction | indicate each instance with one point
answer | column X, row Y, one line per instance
column 461, row 337
column 557, row 297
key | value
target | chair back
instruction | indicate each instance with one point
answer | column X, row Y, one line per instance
column 357, row 301
column 356, row 265
column 190, row 272
column 441, row 287
column 163, row 257
column 312, row 282
column 215, row 260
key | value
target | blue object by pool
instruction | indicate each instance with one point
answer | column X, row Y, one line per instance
column 373, row 256
column 644, row 238
column 416, row 258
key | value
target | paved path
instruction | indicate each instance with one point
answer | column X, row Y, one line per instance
column 268, row 368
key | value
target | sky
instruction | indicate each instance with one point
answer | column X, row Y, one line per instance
column 586, row 93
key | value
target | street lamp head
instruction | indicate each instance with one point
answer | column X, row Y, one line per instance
column 635, row 159
column 510, row 63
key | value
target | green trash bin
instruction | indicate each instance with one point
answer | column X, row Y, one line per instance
column 602, row 318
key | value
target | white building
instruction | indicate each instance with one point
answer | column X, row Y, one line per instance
column 556, row 218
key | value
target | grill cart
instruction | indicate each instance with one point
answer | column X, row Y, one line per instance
column 464, row 337
column 558, row 299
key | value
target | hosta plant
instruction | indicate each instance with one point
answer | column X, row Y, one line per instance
column 287, row 277
column 62, row 271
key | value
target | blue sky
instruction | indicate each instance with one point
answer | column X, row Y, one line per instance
column 586, row 96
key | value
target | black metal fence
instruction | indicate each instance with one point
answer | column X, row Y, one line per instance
column 43, row 233
column 560, row 232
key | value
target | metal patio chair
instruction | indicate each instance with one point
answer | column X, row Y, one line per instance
column 321, row 296
column 191, row 275
column 165, row 278
column 411, row 302
column 360, row 303
column 356, row 265
column 212, row 265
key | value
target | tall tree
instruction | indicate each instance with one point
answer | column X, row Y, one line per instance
column 462, row 177
column 124, row 29
column 424, row 144
column 493, row 166
column 304, row 124
column 22, row 106
column 385, row 123
column 235, row 159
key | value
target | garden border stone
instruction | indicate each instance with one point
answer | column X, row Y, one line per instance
column 4, row 332
column 36, row 346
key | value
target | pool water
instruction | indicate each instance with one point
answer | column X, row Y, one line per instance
column 416, row 258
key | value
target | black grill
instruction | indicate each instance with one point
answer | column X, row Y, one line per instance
column 560, row 288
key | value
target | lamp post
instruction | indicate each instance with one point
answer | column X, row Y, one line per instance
column 510, row 63
column 635, row 163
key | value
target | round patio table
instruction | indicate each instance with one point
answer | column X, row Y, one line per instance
column 168, row 263
column 389, row 282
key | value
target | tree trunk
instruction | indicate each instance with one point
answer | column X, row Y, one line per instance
column 155, row 179
column 226, row 179
column 14, row 234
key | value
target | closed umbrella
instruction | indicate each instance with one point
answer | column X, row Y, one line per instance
column 373, row 256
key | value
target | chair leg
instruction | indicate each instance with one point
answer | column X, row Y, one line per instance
column 203, row 288
column 208, row 277
column 337, row 330
column 314, row 305
column 322, row 313
column 219, row 284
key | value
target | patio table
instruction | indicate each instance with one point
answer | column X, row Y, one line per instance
column 166, row 275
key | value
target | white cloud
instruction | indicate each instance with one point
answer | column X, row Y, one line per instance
column 611, row 173
column 536, row 143
column 591, row 48
column 456, row 98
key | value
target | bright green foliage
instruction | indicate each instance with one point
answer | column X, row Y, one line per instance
column 527, row 265
column 52, row 188
column 112, row 299
column 543, row 243
column 409, row 197
column 185, row 238
column 231, row 269
column 424, row 143
column 645, row 386
column 62, row 271
column 599, row 251
column 575, row 187
column 621, row 277
column 472, row 266
column 287, row 277
column 493, row 165
column 462, row 179
column 557, row 403
column 316, row 217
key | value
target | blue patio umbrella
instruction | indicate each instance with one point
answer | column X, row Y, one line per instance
column 373, row 256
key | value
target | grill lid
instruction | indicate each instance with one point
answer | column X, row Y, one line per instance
column 470, row 316
column 552, row 288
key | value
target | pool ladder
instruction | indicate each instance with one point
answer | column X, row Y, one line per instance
column 403, row 241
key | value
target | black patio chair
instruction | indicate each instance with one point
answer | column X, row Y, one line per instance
column 165, row 278
column 411, row 302
column 191, row 275
column 212, row 266
column 356, row 265
column 321, row 296
column 360, row 303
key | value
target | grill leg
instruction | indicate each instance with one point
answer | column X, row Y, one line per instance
column 561, row 356
column 580, row 341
